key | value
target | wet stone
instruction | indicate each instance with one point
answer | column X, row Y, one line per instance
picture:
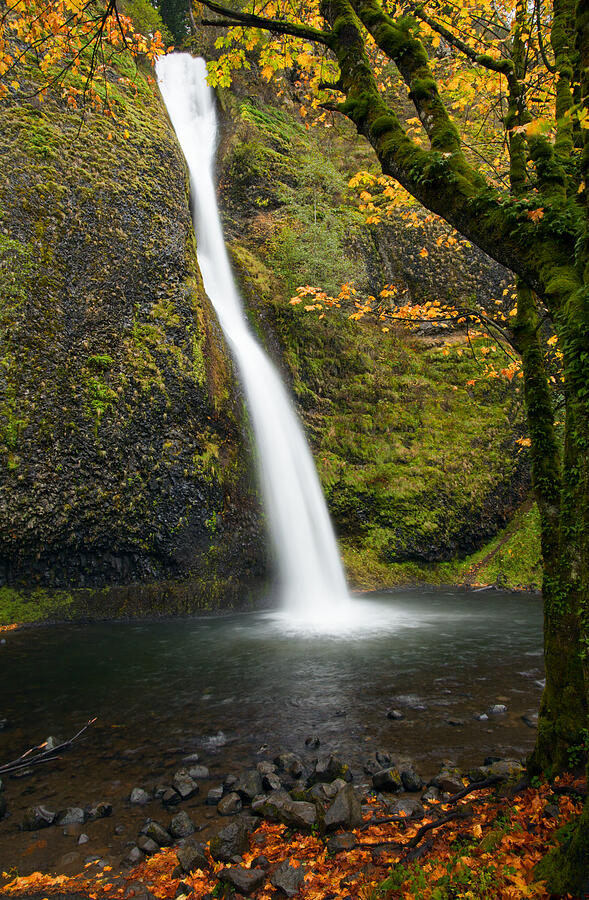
column 288, row 877
column 266, row 768
column 198, row 772
column 280, row 807
column 411, row 780
column 229, row 805
column 73, row 815
column 387, row 780
column 134, row 856
column 271, row 782
column 214, row 795
column 345, row 811
column 328, row 768
column 312, row 742
column 157, row 833
column 233, row 840
column 83, row 839
column 191, row 856
column 191, row 759
column 146, row 844
column 290, row 763
column 395, row 714
column 244, row 880
column 497, row 709
column 184, row 784
column 170, row 797
column 139, row 796
column 181, row 825
column 102, row 810
column 38, row 817
column 249, row 785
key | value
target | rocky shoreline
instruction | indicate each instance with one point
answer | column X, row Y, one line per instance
column 314, row 792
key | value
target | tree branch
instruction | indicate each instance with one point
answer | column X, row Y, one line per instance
column 278, row 26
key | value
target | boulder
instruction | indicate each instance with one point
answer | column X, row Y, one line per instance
column 290, row 763
column 231, row 841
column 411, row 780
column 387, row 780
column 271, row 782
column 449, row 781
column 184, row 784
column 345, row 811
column 504, row 769
column 249, row 785
column 170, row 797
column 243, row 880
column 191, row 855
column 280, row 807
column 266, row 768
column 139, row 796
column 157, row 833
column 181, row 825
column 38, row 817
column 288, row 877
column 328, row 768
column 230, row 804
column 147, row 845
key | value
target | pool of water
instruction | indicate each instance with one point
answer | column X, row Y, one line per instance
column 243, row 687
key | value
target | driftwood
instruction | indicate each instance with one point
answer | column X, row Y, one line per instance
column 35, row 756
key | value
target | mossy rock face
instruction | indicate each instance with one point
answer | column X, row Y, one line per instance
column 123, row 456
column 418, row 454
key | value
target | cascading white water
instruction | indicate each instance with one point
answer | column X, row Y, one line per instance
column 312, row 577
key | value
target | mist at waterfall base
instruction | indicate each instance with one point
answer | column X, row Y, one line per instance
column 312, row 580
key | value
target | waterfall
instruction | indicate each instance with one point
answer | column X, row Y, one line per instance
column 309, row 567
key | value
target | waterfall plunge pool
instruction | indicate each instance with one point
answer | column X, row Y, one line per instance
column 240, row 688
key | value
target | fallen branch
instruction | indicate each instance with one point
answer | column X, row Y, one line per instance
column 415, row 817
column 463, row 812
column 580, row 793
column 34, row 756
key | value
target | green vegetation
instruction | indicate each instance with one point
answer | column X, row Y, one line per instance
column 34, row 606
column 416, row 450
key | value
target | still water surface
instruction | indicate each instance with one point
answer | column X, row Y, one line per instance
column 261, row 678
column 241, row 688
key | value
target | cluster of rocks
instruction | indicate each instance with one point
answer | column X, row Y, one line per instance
column 319, row 797
column 36, row 817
